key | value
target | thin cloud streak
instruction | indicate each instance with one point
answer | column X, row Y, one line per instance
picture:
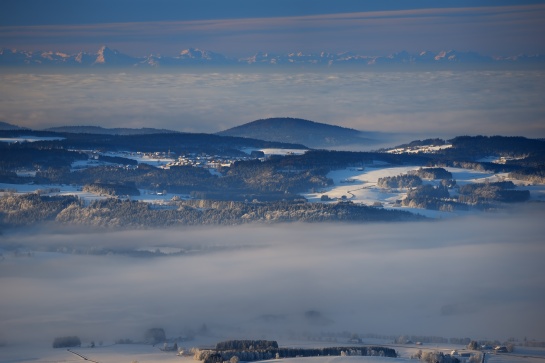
column 423, row 29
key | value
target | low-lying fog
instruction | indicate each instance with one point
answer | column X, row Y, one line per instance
column 479, row 277
column 422, row 104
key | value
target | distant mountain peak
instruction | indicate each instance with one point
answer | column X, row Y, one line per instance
column 102, row 54
column 106, row 56
column 194, row 52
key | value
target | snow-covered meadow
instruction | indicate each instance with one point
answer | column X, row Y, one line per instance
column 359, row 185
column 148, row 354
column 29, row 138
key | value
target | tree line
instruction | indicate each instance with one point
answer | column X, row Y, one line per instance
column 29, row 209
column 249, row 355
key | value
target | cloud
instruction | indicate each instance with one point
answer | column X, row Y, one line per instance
column 475, row 276
column 492, row 30
column 426, row 104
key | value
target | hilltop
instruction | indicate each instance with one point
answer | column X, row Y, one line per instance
column 299, row 131
column 7, row 126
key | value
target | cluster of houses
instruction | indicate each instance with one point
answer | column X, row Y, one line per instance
column 168, row 159
column 203, row 160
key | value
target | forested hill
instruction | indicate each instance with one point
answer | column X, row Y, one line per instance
column 109, row 131
column 7, row 126
column 481, row 146
column 299, row 131
column 177, row 142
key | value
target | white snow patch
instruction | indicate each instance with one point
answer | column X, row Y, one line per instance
column 500, row 159
column 26, row 173
column 360, row 186
column 30, row 139
column 62, row 190
column 275, row 151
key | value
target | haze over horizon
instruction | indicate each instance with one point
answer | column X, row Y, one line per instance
column 420, row 104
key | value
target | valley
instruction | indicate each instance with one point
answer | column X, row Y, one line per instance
column 130, row 221
column 171, row 177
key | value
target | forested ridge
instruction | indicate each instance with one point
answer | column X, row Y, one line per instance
column 252, row 350
column 177, row 142
column 30, row 209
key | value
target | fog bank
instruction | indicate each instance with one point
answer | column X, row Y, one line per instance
column 423, row 104
column 478, row 277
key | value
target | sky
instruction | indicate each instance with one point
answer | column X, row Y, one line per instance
column 243, row 27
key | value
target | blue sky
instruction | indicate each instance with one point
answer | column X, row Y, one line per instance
column 243, row 27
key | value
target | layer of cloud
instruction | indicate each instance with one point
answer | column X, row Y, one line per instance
column 491, row 30
column 439, row 104
column 477, row 277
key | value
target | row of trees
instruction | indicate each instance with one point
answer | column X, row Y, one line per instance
column 220, row 356
column 247, row 345
column 112, row 189
column 28, row 209
column 432, row 173
column 533, row 175
column 435, row 357
column 20, row 210
column 66, row 342
column 399, row 181
column 492, row 192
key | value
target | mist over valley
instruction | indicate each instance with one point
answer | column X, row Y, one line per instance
column 477, row 276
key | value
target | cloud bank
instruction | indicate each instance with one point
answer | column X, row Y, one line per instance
column 476, row 277
column 438, row 104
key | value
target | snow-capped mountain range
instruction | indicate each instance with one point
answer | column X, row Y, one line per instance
column 111, row 57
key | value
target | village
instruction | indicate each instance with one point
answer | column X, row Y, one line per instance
column 166, row 160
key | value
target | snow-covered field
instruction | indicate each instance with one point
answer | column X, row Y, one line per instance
column 275, row 151
column 145, row 353
column 29, row 139
column 359, row 185
column 49, row 189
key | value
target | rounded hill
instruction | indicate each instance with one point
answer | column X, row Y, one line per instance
column 298, row 131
